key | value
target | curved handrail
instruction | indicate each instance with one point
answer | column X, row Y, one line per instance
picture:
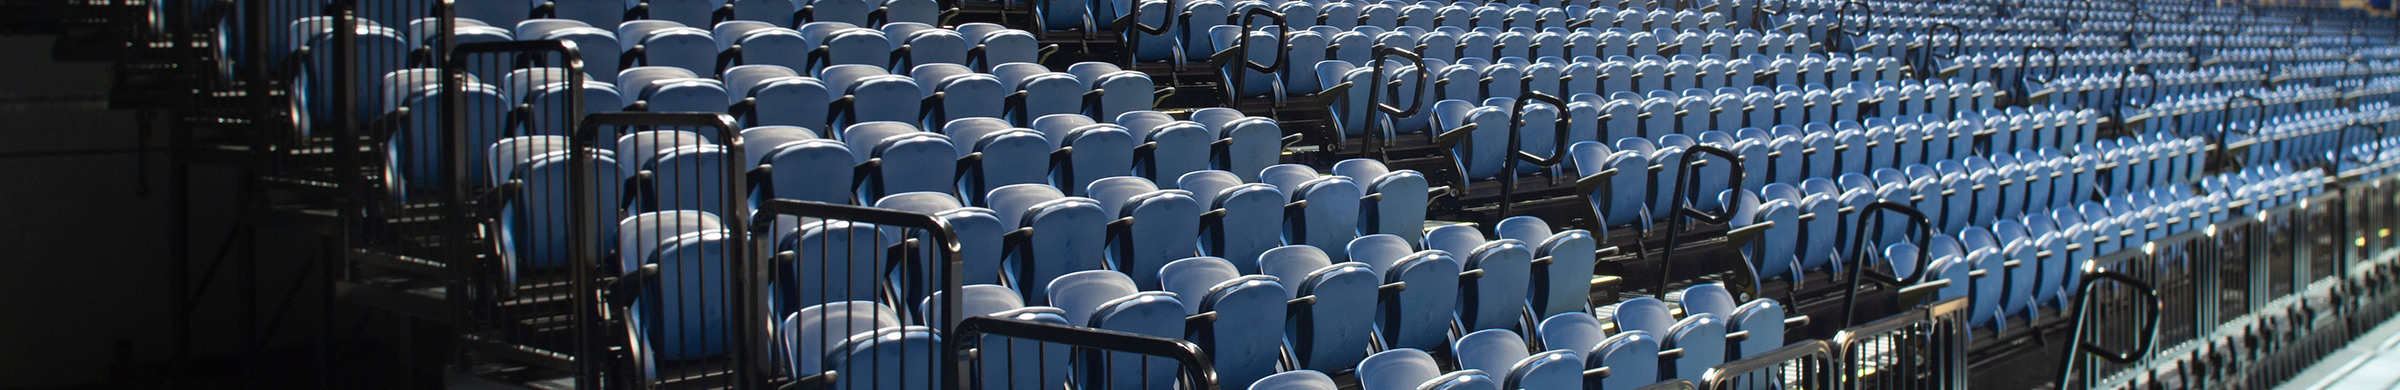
column 1841, row 24
column 1131, row 26
column 1925, row 58
column 1375, row 95
column 945, row 248
column 2077, row 346
column 1858, row 253
column 1686, row 192
column 1383, row 54
column 2151, row 80
column 2342, row 152
column 454, row 102
column 2225, row 112
column 1516, row 122
column 1239, row 56
column 1759, row 15
column 748, row 361
column 2025, row 76
column 1958, row 40
column 1199, row 374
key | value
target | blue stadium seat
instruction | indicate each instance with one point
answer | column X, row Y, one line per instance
column 797, row 180
column 534, row 233
column 1561, row 268
column 662, row 42
column 688, row 12
column 994, row 45
column 956, row 92
column 999, row 301
column 690, row 177
column 812, row 332
column 1328, row 207
column 1295, row 380
column 1233, row 305
column 1159, row 226
column 685, row 95
column 1116, row 91
column 1108, row 300
column 509, row 155
column 1398, row 369
column 917, row 44
column 1332, row 328
column 316, row 88
column 680, row 315
column 839, row 43
column 892, row 358
column 836, row 261
column 1245, row 144
column 1244, row 220
column 897, row 158
column 1502, row 353
column 1577, row 331
column 853, row 12
column 1091, row 150
column 1040, row 92
column 1631, row 357
column 1416, row 317
column 1495, row 298
column 1000, row 155
column 1169, row 148
column 1060, row 225
column 1701, row 336
column 416, row 150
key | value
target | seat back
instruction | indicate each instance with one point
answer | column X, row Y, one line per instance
column 890, row 358
column 1489, row 350
column 1253, row 213
column 1631, row 357
column 1397, row 369
column 1420, row 315
column 1296, row 380
column 812, row 332
column 682, row 312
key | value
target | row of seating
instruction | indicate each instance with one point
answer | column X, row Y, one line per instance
column 1309, row 52
column 1815, row 214
column 889, row 158
column 2313, row 138
column 1785, row 154
column 1663, row 111
column 2139, row 89
column 2235, row 110
column 2010, row 269
column 532, row 102
column 783, row 13
column 1427, row 14
column 898, row 45
column 1620, row 348
column 1100, row 292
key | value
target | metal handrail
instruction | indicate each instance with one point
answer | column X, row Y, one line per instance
column 1686, row 192
column 1198, row 373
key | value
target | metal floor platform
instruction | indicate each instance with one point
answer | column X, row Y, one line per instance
column 2370, row 363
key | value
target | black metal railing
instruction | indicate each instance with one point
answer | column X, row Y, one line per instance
column 823, row 261
column 1096, row 350
column 1802, row 365
column 684, row 301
